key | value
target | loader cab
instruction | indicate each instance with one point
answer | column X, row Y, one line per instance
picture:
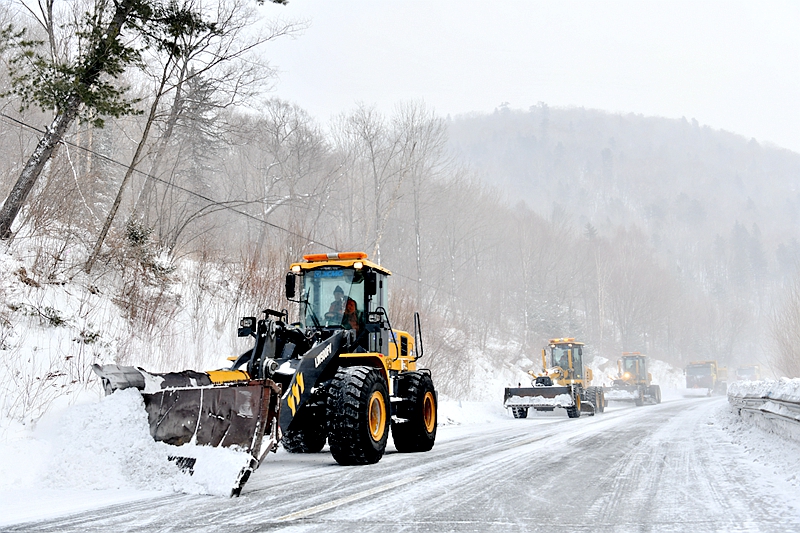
column 342, row 291
column 568, row 355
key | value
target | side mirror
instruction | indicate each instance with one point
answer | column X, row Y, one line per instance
column 290, row 285
column 371, row 283
column 375, row 317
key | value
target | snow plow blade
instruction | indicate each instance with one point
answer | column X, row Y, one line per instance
column 541, row 397
column 191, row 410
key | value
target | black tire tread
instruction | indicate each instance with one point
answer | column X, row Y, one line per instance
column 348, row 433
column 519, row 412
column 412, row 435
column 308, row 431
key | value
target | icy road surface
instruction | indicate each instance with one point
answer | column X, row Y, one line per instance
column 670, row 467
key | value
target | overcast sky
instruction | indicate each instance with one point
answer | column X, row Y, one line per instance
column 731, row 65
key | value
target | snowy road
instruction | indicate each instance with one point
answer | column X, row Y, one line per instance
column 669, row 467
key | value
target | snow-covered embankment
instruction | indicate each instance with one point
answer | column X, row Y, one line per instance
column 773, row 405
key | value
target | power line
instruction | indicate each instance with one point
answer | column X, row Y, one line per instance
column 211, row 201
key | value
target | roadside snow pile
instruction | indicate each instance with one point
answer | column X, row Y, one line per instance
column 666, row 376
column 784, row 389
column 467, row 413
column 777, row 453
column 773, row 406
column 107, row 445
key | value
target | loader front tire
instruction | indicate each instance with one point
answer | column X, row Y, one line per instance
column 307, row 433
column 418, row 411
column 358, row 411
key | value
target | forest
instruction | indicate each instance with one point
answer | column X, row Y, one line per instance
column 168, row 192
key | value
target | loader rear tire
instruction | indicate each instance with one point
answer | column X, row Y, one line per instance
column 307, row 433
column 358, row 410
column 419, row 410
column 519, row 412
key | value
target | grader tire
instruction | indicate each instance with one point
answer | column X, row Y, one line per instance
column 655, row 392
column 575, row 410
column 358, row 410
column 419, row 411
column 307, row 433
column 519, row 412
column 638, row 401
column 596, row 396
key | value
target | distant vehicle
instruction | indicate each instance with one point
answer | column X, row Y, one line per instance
column 706, row 376
column 563, row 382
column 748, row 373
column 634, row 382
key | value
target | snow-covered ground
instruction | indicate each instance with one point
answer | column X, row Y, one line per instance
column 98, row 453
column 79, row 450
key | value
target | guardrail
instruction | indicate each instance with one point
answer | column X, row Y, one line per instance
column 767, row 405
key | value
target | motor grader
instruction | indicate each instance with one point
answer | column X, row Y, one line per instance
column 340, row 375
column 633, row 383
column 563, row 382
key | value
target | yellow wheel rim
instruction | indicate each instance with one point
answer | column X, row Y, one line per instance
column 429, row 412
column 376, row 415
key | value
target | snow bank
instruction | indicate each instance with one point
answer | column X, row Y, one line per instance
column 784, row 389
column 466, row 413
column 107, row 445
column 779, row 455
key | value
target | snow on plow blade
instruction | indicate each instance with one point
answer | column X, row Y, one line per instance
column 620, row 395
column 538, row 397
column 242, row 415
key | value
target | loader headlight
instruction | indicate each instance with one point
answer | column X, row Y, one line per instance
column 247, row 326
column 296, row 269
column 626, row 375
column 358, row 265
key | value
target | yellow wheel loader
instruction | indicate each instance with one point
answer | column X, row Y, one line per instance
column 563, row 382
column 634, row 382
column 340, row 375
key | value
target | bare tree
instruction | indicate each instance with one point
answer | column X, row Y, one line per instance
column 84, row 80
column 786, row 332
column 192, row 50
